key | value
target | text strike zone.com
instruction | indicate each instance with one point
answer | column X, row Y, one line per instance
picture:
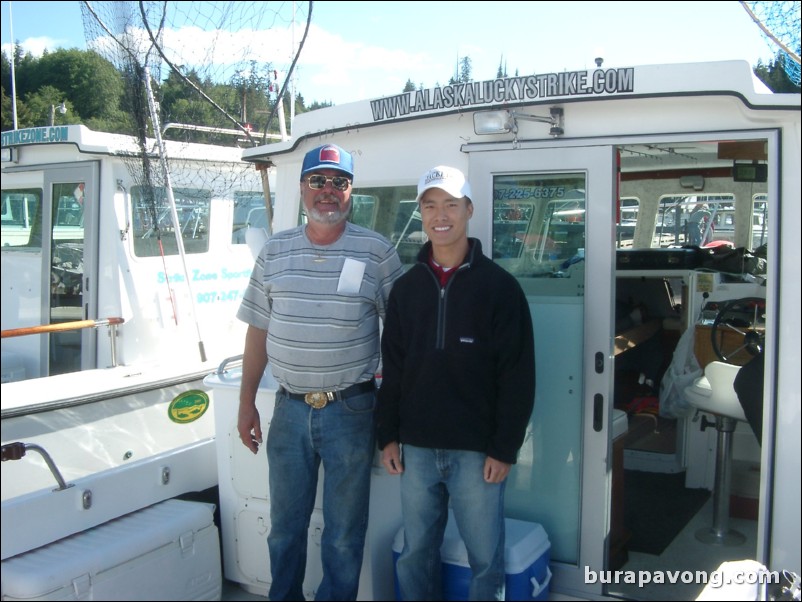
column 715, row 579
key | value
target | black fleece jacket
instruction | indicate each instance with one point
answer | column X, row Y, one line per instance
column 458, row 363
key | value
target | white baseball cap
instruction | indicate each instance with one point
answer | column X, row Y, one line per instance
column 450, row 179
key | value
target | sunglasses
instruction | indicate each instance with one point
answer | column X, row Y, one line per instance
column 316, row 182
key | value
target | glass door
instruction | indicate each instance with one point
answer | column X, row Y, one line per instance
column 69, row 262
column 547, row 215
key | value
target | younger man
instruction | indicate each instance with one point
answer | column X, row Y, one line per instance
column 457, row 392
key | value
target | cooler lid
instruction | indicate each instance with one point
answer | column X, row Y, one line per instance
column 54, row 566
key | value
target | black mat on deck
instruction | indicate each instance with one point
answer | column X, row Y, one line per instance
column 656, row 508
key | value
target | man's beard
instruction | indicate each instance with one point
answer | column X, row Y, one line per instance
column 327, row 217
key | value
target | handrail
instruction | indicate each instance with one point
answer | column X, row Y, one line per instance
column 16, row 451
column 112, row 323
column 222, row 368
column 60, row 327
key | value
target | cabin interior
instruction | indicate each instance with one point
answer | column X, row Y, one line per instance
column 666, row 511
column 659, row 507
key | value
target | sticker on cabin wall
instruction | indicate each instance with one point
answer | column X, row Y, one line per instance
column 188, row 407
column 704, row 283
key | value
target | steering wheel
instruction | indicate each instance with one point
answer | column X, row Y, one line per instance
column 739, row 330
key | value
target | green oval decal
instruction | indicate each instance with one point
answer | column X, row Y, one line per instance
column 188, row 407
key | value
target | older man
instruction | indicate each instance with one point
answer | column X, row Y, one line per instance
column 313, row 306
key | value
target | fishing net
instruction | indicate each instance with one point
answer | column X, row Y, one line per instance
column 779, row 22
column 197, row 73
column 215, row 65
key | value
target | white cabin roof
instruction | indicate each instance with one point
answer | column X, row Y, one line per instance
column 733, row 78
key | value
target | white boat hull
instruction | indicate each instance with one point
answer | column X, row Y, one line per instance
column 116, row 455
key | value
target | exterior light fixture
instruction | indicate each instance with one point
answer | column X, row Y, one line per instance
column 61, row 108
column 493, row 122
column 505, row 121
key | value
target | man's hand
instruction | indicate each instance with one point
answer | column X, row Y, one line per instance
column 496, row 470
column 249, row 427
column 391, row 458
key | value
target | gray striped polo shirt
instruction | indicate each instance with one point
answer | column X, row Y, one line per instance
column 321, row 306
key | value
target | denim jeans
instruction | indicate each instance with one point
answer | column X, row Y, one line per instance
column 430, row 478
column 299, row 438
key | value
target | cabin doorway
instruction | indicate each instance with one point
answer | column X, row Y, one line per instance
column 559, row 220
column 694, row 208
column 50, row 237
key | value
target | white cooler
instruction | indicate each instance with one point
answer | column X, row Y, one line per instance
column 168, row 551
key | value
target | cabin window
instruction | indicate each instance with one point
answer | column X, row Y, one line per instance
column 70, row 209
column 710, row 220
column 66, row 274
column 363, row 209
column 249, row 212
column 21, row 215
column 153, row 228
column 539, row 223
column 626, row 221
column 760, row 221
column 393, row 212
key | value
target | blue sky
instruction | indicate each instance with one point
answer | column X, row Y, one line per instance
column 358, row 50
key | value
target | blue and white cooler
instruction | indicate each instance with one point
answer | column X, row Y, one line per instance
column 526, row 561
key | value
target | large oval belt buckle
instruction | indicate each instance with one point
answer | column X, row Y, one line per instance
column 317, row 399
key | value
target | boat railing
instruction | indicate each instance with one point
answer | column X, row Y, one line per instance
column 223, row 367
column 17, row 450
column 112, row 324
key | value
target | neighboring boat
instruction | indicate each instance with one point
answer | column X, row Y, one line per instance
column 110, row 322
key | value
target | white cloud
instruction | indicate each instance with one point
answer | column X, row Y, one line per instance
column 36, row 46
column 333, row 68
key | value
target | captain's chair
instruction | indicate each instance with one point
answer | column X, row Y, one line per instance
column 714, row 392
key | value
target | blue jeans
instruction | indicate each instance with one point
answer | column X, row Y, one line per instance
column 341, row 436
column 430, row 477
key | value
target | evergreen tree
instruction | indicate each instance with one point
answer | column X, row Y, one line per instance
column 502, row 68
column 465, row 70
column 775, row 77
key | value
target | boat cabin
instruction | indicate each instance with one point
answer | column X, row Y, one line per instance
column 585, row 187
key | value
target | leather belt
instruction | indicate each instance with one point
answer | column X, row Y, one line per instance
column 319, row 399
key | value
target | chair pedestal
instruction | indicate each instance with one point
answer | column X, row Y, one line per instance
column 720, row 533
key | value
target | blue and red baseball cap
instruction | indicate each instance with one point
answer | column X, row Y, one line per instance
column 328, row 156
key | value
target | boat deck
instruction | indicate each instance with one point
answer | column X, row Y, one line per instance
column 683, row 552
